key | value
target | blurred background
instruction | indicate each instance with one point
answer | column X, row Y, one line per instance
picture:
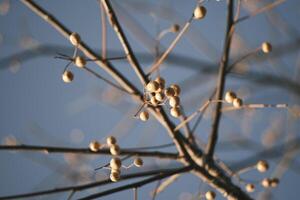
column 38, row 108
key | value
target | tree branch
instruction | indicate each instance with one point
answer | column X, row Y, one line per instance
column 221, row 82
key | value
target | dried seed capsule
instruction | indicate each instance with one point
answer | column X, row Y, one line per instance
column 266, row 47
column 176, row 89
column 230, row 96
column 266, row 182
column 175, row 112
column 169, row 92
column 115, row 163
column 175, row 28
column 80, row 61
column 174, row 101
column 138, row 162
column 237, row 102
column 95, row 146
column 153, row 101
column 199, row 12
column 114, row 176
column 250, row 187
column 144, row 116
column 274, row 182
column 262, row 166
column 210, row 195
column 67, row 76
column 161, row 82
column 152, row 86
column 114, row 150
column 74, row 39
column 159, row 96
column 111, row 140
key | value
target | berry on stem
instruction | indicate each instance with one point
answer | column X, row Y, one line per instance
column 114, row 149
column 266, row 47
column 138, row 162
column 237, row 102
column 67, row 76
column 111, row 140
column 262, row 166
column 199, row 12
column 210, row 195
column 144, row 116
column 175, row 112
column 230, row 96
column 115, row 163
column 79, row 61
column 95, row 146
column 74, row 39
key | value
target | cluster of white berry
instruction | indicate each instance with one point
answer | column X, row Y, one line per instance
column 79, row 61
column 156, row 95
column 231, row 97
column 262, row 166
column 115, row 162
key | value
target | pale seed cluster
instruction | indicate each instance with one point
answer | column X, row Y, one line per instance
column 270, row 182
column 115, row 163
column 78, row 61
column 231, row 97
column 156, row 95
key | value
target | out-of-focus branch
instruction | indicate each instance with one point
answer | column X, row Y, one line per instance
column 48, row 149
column 91, row 185
column 136, row 184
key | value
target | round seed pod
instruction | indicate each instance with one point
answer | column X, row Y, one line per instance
column 262, row 166
column 174, row 101
column 114, row 150
column 210, row 195
column 138, row 162
column 144, row 116
column 169, row 92
column 266, row 47
column 153, row 101
column 95, row 146
column 114, row 176
column 159, row 96
column 176, row 89
column 152, row 86
column 274, row 182
column 115, row 163
column 111, row 140
column 230, row 96
column 250, row 187
column 266, row 182
column 74, row 39
column 199, row 12
column 175, row 28
column 80, row 61
column 175, row 112
column 67, row 76
column 237, row 102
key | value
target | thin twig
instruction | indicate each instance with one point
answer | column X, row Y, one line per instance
column 261, row 10
column 172, row 45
